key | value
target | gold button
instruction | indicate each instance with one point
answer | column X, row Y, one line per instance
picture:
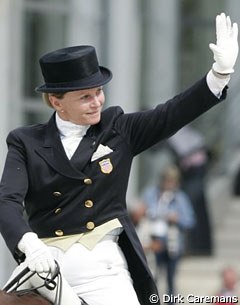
column 58, row 210
column 90, row 225
column 57, row 194
column 88, row 203
column 87, row 181
column 59, row 233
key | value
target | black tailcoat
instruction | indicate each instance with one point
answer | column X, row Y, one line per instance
column 54, row 189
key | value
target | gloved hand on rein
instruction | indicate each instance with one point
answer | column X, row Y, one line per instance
column 225, row 50
column 38, row 256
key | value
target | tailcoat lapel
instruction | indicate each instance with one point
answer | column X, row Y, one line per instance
column 53, row 153
column 52, row 150
column 83, row 153
column 87, row 146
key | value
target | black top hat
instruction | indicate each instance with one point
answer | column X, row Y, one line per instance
column 71, row 69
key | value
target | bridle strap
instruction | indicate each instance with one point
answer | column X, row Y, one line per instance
column 51, row 281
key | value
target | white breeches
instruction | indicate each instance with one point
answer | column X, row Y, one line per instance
column 100, row 276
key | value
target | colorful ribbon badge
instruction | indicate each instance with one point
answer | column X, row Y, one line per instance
column 106, row 166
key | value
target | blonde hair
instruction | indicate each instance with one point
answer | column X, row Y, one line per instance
column 171, row 172
column 45, row 97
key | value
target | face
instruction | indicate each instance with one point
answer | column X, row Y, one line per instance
column 82, row 107
column 169, row 184
column 230, row 278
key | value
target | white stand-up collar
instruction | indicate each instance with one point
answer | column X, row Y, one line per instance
column 71, row 135
column 69, row 129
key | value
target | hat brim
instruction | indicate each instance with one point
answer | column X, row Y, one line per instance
column 96, row 80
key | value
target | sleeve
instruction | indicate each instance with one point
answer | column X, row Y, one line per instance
column 146, row 195
column 149, row 199
column 13, row 188
column 187, row 218
column 144, row 129
column 217, row 83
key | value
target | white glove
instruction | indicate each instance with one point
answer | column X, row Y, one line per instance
column 225, row 50
column 38, row 256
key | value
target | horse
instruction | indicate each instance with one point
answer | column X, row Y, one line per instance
column 12, row 294
column 28, row 298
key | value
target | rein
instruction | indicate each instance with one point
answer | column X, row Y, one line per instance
column 51, row 282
